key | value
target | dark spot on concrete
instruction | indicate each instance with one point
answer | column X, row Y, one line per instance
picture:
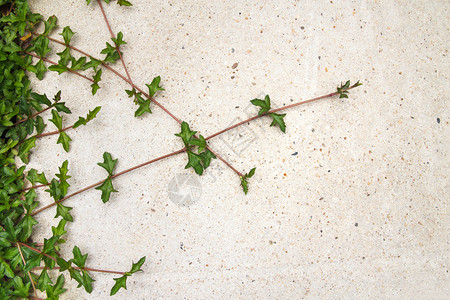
column 438, row 120
column 302, row 27
column 294, row 154
column 234, row 66
column 356, row 224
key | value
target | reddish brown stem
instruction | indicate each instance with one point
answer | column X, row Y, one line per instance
column 53, row 132
column 33, row 115
column 114, row 176
column 35, row 187
column 53, row 63
column 24, row 263
column 87, row 269
column 113, row 36
column 275, row 110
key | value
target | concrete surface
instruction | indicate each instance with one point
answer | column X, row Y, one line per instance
column 349, row 203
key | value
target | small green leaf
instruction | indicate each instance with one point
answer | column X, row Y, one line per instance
column 57, row 289
column 119, row 40
column 44, row 280
column 97, row 79
column 264, row 104
column 144, row 106
column 63, row 211
column 200, row 142
column 42, row 99
column 154, row 86
column 34, row 177
column 136, row 267
column 50, row 24
column 124, row 3
column 186, row 133
column 63, row 264
column 20, row 289
column 40, row 69
column 194, row 162
column 65, row 57
column 61, row 107
column 107, row 188
column 277, row 119
column 65, row 140
column 244, row 181
column 39, row 124
column 78, row 258
column 91, row 115
column 206, row 158
column 87, row 281
column 25, row 147
column 63, row 177
column 93, row 63
column 121, row 282
column 67, row 34
column 108, row 163
column 58, row 68
column 78, row 64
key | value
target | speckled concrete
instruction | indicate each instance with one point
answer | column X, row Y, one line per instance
column 349, row 203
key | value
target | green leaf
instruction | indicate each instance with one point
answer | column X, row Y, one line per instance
column 186, row 133
column 144, row 106
column 87, row 281
column 26, row 224
column 64, row 139
column 44, row 280
column 61, row 107
column 136, row 267
column 58, row 68
column 39, row 124
column 264, row 104
column 154, row 86
column 54, row 291
column 25, row 148
column 63, row 264
column 56, row 119
column 60, row 230
column 244, row 181
column 77, row 64
column 63, row 211
column 277, row 119
column 20, row 289
column 50, row 24
column 119, row 40
column 124, row 3
column 67, row 34
column 108, row 163
column 206, row 158
column 40, row 69
column 90, row 116
column 97, row 78
column 106, row 188
column 63, row 170
column 6, row 270
column 200, row 142
column 78, row 258
column 93, row 63
column 194, row 162
column 121, row 282
column 42, row 99
column 34, row 177
column 41, row 46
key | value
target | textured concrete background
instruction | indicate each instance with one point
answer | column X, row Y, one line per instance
column 349, row 203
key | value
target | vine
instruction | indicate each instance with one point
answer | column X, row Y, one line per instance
column 22, row 125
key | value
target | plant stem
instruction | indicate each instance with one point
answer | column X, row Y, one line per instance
column 275, row 110
column 53, row 63
column 24, row 263
column 113, row 36
column 87, row 269
column 184, row 149
column 33, row 115
column 114, row 176
column 53, row 132
column 35, row 187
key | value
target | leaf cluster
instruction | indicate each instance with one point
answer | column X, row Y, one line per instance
column 277, row 119
column 144, row 104
column 202, row 159
column 342, row 90
column 107, row 187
